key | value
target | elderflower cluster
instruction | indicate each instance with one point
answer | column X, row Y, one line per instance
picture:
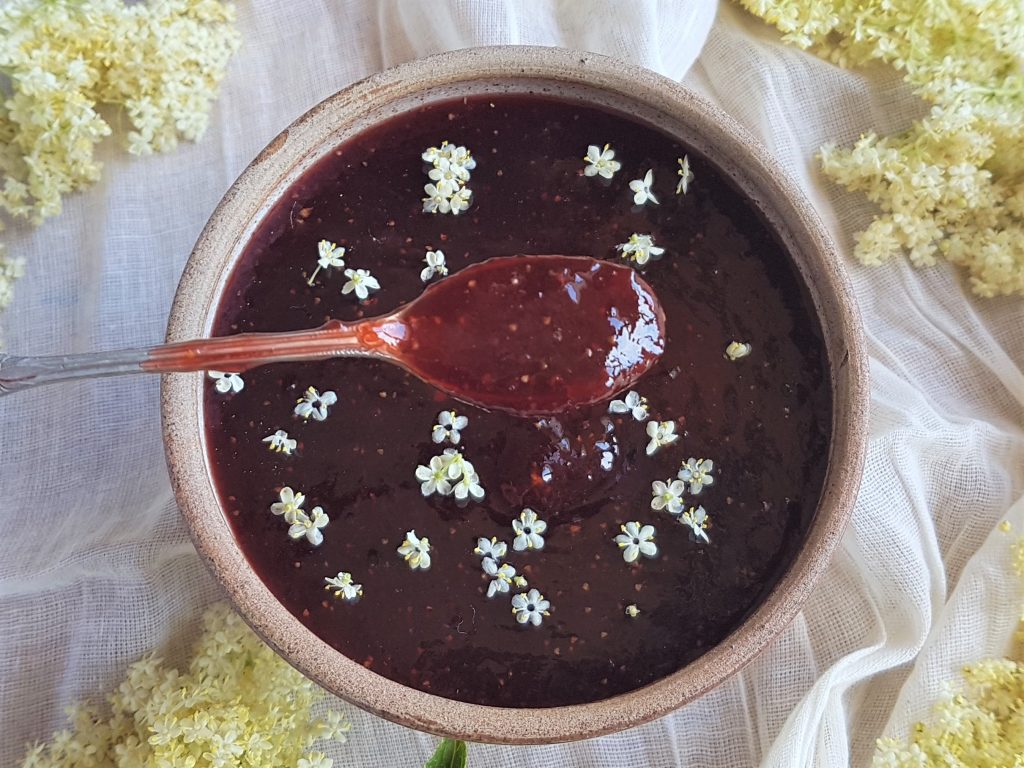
column 449, row 173
column 978, row 726
column 952, row 185
column 237, row 703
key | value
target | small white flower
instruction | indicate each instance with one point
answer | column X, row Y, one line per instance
column 448, row 176
column 697, row 472
column 529, row 530
column 313, row 405
column 415, row 551
column 632, row 611
column 662, row 433
column 633, row 403
column 226, row 382
column 636, row 540
column 491, row 548
column 469, row 487
column 279, row 442
column 668, row 496
column 342, row 586
column 641, row 189
column 435, row 265
column 601, row 162
column 520, row 581
column 455, row 464
column 737, row 349
column 434, row 478
column 639, row 249
column 449, row 426
column 361, row 282
column 460, row 200
column 696, row 519
column 309, row 526
column 501, row 576
column 290, row 504
column 330, row 255
column 685, row 175
column 437, row 200
column 461, row 157
column 531, row 607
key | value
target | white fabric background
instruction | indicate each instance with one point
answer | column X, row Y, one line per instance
column 96, row 567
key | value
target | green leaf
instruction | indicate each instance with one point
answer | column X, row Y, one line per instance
column 449, row 754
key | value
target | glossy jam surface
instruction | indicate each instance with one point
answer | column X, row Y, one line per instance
column 571, row 331
column 765, row 420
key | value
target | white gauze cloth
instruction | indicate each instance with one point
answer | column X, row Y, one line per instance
column 96, row 567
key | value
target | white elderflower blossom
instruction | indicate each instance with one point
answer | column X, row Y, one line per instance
column 415, row 551
column 662, row 433
column 530, row 607
column 344, row 587
column 641, row 189
column 633, row 404
column 329, row 255
column 696, row 519
column 529, row 530
column 502, row 576
column 279, row 442
column 668, row 496
column 639, row 249
column 685, row 175
column 491, row 548
column 310, row 526
column 697, row 472
column 600, row 162
column 636, row 540
column 226, row 382
column 360, row 282
column 435, row 265
column 313, row 405
column 449, row 427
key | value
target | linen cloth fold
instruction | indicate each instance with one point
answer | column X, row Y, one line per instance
column 96, row 567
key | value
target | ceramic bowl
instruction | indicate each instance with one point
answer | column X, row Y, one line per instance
column 590, row 79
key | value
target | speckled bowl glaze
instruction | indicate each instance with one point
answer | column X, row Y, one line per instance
column 570, row 75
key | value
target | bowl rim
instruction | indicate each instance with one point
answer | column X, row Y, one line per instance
column 230, row 226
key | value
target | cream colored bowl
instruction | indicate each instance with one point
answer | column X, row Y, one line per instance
column 572, row 75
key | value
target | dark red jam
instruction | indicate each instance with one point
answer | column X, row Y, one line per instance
column 764, row 420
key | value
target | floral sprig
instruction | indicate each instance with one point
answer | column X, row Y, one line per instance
column 226, row 382
column 164, row 716
column 290, row 504
column 279, row 442
column 633, row 404
column 447, row 191
column 435, row 265
column 449, row 427
column 330, row 255
column 344, row 587
column 313, row 405
column 530, row 607
column 952, row 185
column 600, row 162
column 415, row 551
column 639, row 249
column 529, row 530
column 697, row 472
column 636, row 540
column 641, row 189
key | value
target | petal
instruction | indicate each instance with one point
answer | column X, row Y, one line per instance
column 520, row 542
column 536, row 542
column 297, row 530
column 649, row 548
column 647, row 532
column 535, row 618
column 314, row 537
column 630, row 553
column 652, row 447
column 658, row 487
column 658, row 503
column 540, row 526
column 677, row 488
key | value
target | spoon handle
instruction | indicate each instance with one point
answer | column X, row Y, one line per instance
column 224, row 353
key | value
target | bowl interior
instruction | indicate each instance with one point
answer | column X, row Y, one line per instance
column 570, row 76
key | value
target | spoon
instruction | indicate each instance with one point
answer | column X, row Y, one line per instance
column 531, row 335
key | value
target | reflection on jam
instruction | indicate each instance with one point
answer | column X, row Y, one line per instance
column 535, row 334
column 764, row 420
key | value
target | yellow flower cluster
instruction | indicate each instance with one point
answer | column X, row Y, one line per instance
column 952, row 185
column 238, row 705
column 982, row 726
column 161, row 63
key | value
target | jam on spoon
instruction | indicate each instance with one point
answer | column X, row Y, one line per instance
column 530, row 335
